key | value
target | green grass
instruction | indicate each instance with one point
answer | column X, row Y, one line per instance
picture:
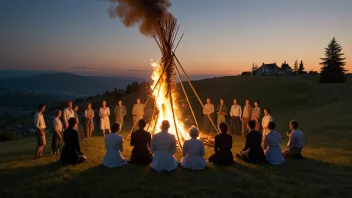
column 323, row 112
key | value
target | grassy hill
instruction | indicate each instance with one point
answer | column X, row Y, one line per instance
column 323, row 111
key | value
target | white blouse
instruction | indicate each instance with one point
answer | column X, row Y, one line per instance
column 105, row 111
column 57, row 125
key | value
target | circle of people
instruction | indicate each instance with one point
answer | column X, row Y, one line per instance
column 159, row 150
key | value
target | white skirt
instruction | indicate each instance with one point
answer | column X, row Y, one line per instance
column 105, row 123
column 194, row 162
column 164, row 161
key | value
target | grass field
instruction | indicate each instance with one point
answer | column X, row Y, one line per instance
column 324, row 114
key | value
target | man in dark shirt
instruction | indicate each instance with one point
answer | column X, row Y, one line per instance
column 252, row 151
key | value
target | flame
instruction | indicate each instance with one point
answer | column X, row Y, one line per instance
column 164, row 106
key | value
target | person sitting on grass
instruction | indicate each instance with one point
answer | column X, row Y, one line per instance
column 272, row 141
column 114, row 148
column 252, row 151
column 222, row 147
column 193, row 152
column 140, row 140
column 163, row 146
column 71, row 152
column 295, row 143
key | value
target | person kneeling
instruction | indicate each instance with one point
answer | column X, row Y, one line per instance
column 114, row 147
column 222, row 147
column 295, row 143
column 272, row 148
column 71, row 152
column 193, row 152
column 252, row 151
column 163, row 146
column 140, row 140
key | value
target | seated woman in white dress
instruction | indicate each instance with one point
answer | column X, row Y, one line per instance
column 272, row 141
column 114, row 147
column 193, row 152
column 163, row 146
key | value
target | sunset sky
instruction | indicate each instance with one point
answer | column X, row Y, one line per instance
column 222, row 37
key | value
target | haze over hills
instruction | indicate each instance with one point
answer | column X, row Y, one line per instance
column 65, row 85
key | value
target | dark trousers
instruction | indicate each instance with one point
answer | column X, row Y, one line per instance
column 207, row 123
column 235, row 125
column 244, row 126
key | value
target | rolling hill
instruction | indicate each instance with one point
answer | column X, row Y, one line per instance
column 65, row 85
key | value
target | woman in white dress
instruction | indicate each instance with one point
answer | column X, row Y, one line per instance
column 163, row 146
column 114, row 148
column 104, row 113
column 193, row 152
column 272, row 141
column 265, row 121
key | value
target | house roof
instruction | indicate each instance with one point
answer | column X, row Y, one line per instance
column 271, row 66
column 285, row 66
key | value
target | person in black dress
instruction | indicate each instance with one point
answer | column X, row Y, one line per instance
column 140, row 140
column 252, row 151
column 71, row 152
column 223, row 145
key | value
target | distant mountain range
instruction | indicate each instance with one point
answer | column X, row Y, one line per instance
column 65, row 85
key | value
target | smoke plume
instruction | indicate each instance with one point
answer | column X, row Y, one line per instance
column 144, row 13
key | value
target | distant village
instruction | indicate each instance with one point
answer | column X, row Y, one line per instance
column 272, row 69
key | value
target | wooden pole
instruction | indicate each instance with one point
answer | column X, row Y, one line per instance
column 184, row 91
column 195, row 92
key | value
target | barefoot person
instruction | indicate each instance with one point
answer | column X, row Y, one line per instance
column 222, row 148
column 104, row 113
column 39, row 123
column 193, row 152
column 272, row 141
column 120, row 112
column 246, row 117
column 235, row 113
column 114, row 148
column 252, row 151
column 163, row 146
column 137, row 112
column 88, row 121
column 208, row 112
column 295, row 143
column 68, row 113
column 57, row 130
column 71, row 152
column 221, row 110
column 256, row 112
column 140, row 140
column 265, row 122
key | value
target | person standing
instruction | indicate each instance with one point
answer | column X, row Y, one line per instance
column 246, row 117
column 137, row 112
column 265, row 122
column 272, row 141
column 221, row 110
column 120, row 112
column 79, row 126
column 57, row 130
column 88, row 121
column 295, row 143
column 104, row 113
column 68, row 113
column 235, row 113
column 208, row 112
column 39, row 123
column 256, row 111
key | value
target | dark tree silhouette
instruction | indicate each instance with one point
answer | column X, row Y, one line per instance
column 301, row 68
column 295, row 66
column 332, row 70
